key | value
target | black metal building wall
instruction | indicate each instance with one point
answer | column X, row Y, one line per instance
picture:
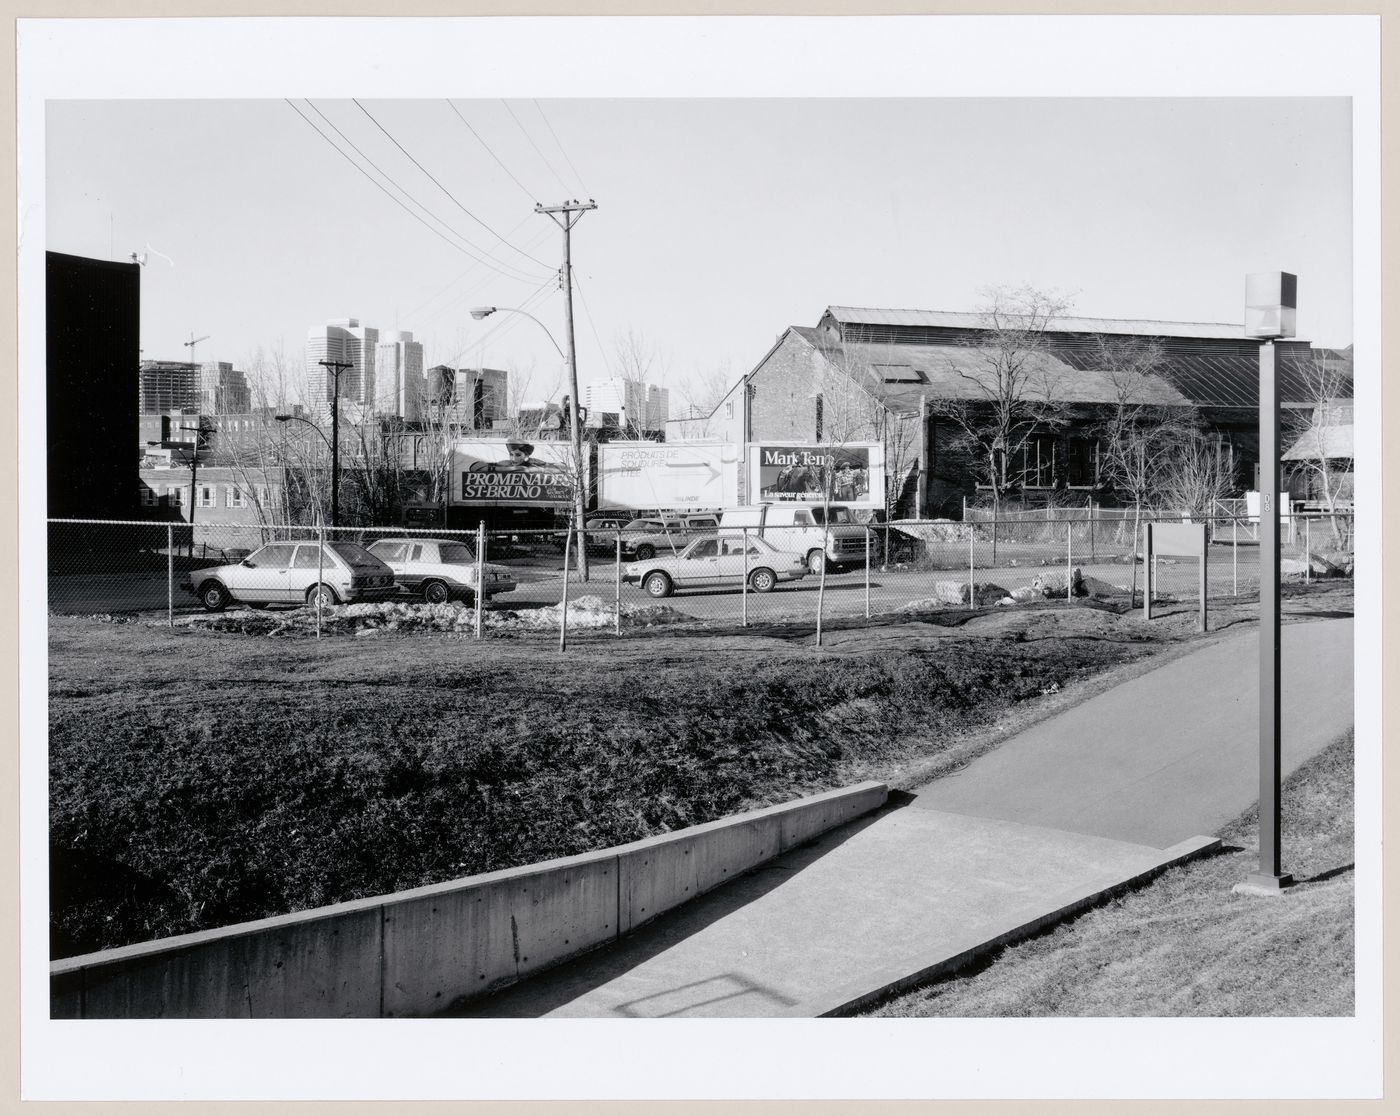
column 93, row 335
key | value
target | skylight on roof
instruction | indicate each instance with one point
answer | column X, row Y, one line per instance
column 900, row 374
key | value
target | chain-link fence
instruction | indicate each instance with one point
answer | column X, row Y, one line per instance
column 405, row 578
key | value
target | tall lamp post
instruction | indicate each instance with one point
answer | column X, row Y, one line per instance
column 1271, row 301
column 575, row 427
column 335, row 471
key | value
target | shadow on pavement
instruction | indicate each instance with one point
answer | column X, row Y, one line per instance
column 540, row 993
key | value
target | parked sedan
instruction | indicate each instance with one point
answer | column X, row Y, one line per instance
column 645, row 538
column 293, row 572
column 717, row 560
column 440, row 569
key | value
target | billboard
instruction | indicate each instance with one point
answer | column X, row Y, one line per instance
column 512, row 471
column 855, row 471
column 668, row 475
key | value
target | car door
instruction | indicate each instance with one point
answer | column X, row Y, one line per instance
column 699, row 566
column 731, row 559
column 309, row 563
column 392, row 553
column 418, row 556
column 263, row 575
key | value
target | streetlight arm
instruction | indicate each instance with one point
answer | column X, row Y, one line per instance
column 485, row 311
column 298, row 418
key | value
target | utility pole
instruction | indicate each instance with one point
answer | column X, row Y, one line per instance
column 566, row 216
column 336, row 367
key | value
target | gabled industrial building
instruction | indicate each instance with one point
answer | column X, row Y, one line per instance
column 901, row 363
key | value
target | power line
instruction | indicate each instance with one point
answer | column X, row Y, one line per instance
column 559, row 145
column 587, row 313
column 493, row 155
column 473, row 269
column 487, row 253
column 529, row 139
column 450, row 243
column 443, row 188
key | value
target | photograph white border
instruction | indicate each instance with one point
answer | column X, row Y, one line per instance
column 543, row 57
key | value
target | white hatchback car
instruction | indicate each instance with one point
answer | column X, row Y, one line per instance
column 439, row 569
column 292, row 573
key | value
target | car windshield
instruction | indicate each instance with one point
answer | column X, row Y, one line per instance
column 456, row 554
column 354, row 553
column 838, row 515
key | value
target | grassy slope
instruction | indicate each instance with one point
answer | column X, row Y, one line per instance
column 199, row 779
column 1185, row 945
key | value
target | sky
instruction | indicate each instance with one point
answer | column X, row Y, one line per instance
column 720, row 222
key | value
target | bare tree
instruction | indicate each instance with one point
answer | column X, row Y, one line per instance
column 641, row 361
column 1194, row 475
column 1008, row 391
column 703, row 393
column 1321, row 452
column 1143, row 422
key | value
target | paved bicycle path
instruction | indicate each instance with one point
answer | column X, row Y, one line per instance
column 1098, row 796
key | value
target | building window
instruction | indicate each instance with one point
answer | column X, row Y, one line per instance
column 1035, row 462
column 175, row 496
column 150, row 498
column 729, row 409
column 235, row 496
column 819, row 418
column 1082, row 464
column 206, row 496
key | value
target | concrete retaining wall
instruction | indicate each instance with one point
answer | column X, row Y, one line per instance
column 419, row 952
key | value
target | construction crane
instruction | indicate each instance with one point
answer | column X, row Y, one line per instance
column 192, row 342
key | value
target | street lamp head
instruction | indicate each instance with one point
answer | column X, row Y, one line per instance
column 283, row 418
column 482, row 311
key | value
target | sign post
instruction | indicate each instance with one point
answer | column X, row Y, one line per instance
column 1271, row 299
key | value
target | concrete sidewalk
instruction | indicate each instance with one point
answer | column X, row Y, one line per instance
column 1091, row 800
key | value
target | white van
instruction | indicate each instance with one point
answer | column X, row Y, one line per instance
column 801, row 528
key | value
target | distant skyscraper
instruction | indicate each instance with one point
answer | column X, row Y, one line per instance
column 167, row 385
column 472, row 398
column 632, row 406
column 398, row 375
column 344, row 340
column 223, row 389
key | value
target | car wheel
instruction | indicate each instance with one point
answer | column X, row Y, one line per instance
column 435, row 592
column 657, row 584
column 646, row 552
column 762, row 580
column 816, row 561
column 323, row 595
column 213, row 596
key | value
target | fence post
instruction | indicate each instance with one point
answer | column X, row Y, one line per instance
column 320, row 571
column 1235, row 555
column 480, row 575
column 1307, row 551
column 1149, row 573
column 1069, row 561
column 867, row 572
column 170, row 576
column 1093, row 543
column 744, row 585
column 617, row 586
column 971, row 577
column 564, row 599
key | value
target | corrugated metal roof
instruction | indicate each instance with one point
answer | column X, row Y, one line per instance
column 1204, row 379
column 949, row 319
